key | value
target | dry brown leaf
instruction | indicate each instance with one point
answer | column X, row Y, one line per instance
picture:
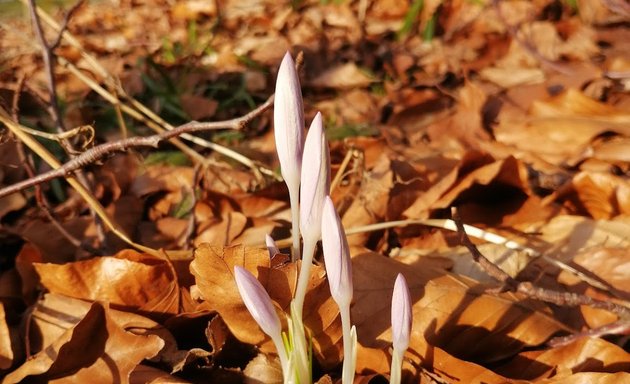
column 213, row 268
column 128, row 280
column 263, row 370
column 224, row 231
column 598, row 195
column 96, row 349
column 370, row 205
column 469, row 184
column 560, row 128
column 56, row 314
column 13, row 202
column 144, row 374
column 198, row 107
column 6, row 349
column 342, row 76
column 611, row 265
column 175, row 182
column 564, row 236
column 583, row 355
column 450, row 312
column 590, row 378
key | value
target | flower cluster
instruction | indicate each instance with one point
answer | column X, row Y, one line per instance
column 307, row 162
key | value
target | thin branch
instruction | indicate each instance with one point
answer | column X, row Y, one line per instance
column 99, row 151
column 49, row 63
column 27, row 162
column 49, row 59
column 566, row 299
column 64, row 25
column 527, row 45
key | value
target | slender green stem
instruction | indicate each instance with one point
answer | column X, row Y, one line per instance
column 396, row 369
column 347, row 375
column 299, row 348
column 282, row 353
column 305, row 272
column 294, row 195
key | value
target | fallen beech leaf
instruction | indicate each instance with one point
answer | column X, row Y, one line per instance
column 6, row 350
column 602, row 196
column 371, row 203
column 346, row 75
column 144, row 374
column 590, row 378
column 213, row 268
column 609, row 264
column 96, row 349
column 564, row 236
column 223, row 231
column 56, row 314
column 13, row 202
column 449, row 312
column 583, row 355
column 198, row 107
column 129, row 280
column 560, row 128
column 465, row 182
column 262, row 370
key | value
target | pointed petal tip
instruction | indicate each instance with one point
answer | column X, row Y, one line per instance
column 401, row 315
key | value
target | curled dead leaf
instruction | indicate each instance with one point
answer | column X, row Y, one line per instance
column 213, row 268
column 96, row 349
column 128, row 280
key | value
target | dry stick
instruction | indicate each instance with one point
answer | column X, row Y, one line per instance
column 48, row 57
column 27, row 162
column 48, row 157
column 566, row 299
column 528, row 46
column 142, row 109
column 97, row 152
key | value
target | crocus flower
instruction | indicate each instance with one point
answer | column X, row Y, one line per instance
column 315, row 187
column 401, row 314
column 401, row 326
column 315, row 179
column 336, row 255
column 261, row 308
column 339, row 271
column 288, row 119
column 257, row 301
column 271, row 246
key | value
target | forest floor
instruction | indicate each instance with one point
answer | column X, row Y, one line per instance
column 516, row 113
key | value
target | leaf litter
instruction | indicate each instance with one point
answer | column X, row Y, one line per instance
column 514, row 112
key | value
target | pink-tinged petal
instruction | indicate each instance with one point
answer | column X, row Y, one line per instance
column 315, row 180
column 288, row 118
column 258, row 302
column 271, row 246
column 336, row 255
column 401, row 314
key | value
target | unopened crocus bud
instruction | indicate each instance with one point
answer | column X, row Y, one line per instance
column 288, row 119
column 271, row 246
column 258, row 302
column 315, row 180
column 401, row 315
column 336, row 255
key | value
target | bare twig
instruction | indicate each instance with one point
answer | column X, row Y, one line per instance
column 527, row 45
column 69, row 13
column 49, row 64
column 619, row 327
column 49, row 59
column 566, row 299
column 27, row 162
column 93, row 154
